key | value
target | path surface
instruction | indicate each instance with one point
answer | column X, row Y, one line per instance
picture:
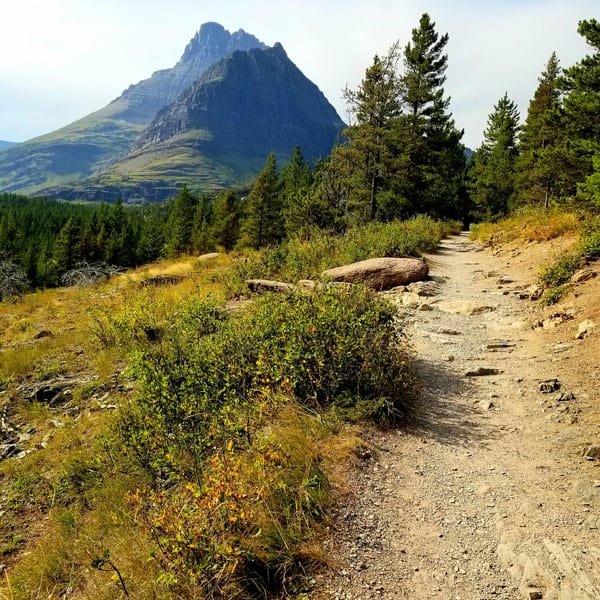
column 485, row 495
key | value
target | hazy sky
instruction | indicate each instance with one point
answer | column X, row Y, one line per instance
column 61, row 59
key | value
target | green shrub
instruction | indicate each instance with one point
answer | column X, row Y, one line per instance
column 560, row 271
column 212, row 373
column 590, row 241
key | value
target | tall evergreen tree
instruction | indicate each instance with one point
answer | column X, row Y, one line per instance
column 300, row 205
column 581, row 84
column 537, row 174
column 375, row 106
column 201, row 230
column 431, row 156
column 227, row 214
column 492, row 173
column 180, row 224
column 263, row 224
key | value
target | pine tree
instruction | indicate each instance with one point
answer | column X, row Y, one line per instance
column 180, row 223
column 201, row 230
column 65, row 251
column 297, row 197
column 431, row 161
column 375, row 105
column 581, row 115
column 226, row 226
column 537, row 173
column 492, row 173
column 263, row 224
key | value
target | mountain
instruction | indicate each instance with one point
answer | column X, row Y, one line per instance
column 91, row 143
column 219, row 132
column 4, row 144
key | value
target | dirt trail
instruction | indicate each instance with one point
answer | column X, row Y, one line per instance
column 486, row 495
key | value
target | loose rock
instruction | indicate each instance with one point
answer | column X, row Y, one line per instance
column 584, row 329
column 263, row 286
column 483, row 372
column 549, row 385
column 583, row 275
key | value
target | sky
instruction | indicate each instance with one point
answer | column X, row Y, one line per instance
column 62, row 59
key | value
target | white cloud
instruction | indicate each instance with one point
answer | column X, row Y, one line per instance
column 61, row 59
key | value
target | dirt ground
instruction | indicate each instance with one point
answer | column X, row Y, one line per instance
column 487, row 493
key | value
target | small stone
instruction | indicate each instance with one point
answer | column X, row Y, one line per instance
column 499, row 345
column 209, row 256
column 44, row 333
column 504, row 280
column 486, row 405
column 535, row 595
column 535, row 292
column 483, row 372
column 584, row 329
column 583, row 275
column 565, row 397
column 446, row 331
column 549, row 385
column 56, row 423
column 592, row 452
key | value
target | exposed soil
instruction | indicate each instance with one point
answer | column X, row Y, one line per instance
column 486, row 494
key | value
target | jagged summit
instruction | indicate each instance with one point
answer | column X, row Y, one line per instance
column 139, row 103
column 214, row 40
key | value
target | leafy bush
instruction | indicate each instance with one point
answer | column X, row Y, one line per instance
column 212, row 372
column 223, row 422
column 560, row 271
column 590, row 241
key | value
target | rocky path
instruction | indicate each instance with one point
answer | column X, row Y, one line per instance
column 485, row 495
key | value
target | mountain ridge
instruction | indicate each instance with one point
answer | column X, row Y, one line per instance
column 91, row 143
column 219, row 132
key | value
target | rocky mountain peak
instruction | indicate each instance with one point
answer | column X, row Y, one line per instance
column 213, row 42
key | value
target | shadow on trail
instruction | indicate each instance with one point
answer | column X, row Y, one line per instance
column 440, row 410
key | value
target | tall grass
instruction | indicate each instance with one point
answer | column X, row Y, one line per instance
column 530, row 224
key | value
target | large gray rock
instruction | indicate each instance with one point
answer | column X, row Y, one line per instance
column 381, row 273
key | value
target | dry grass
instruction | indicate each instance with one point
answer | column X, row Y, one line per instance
column 529, row 225
column 68, row 503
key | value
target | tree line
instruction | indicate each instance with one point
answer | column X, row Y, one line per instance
column 401, row 155
column 554, row 157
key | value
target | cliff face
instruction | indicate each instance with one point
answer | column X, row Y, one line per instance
column 250, row 103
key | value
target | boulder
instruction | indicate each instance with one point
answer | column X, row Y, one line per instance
column 263, row 286
column 381, row 273
column 209, row 256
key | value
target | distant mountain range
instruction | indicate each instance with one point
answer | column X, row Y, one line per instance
column 209, row 121
column 4, row 144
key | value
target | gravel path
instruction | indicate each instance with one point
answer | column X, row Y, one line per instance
column 485, row 495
